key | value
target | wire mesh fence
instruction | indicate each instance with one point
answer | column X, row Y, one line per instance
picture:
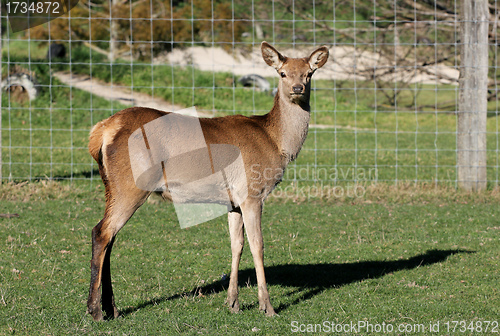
column 384, row 108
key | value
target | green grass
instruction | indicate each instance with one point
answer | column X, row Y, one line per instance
column 417, row 259
column 414, row 140
column 406, row 256
column 47, row 137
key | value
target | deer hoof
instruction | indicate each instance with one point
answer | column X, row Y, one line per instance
column 96, row 314
column 234, row 305
column 270, row 312
column 267, row 309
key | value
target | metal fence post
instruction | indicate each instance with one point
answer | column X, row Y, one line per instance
column 473, row 88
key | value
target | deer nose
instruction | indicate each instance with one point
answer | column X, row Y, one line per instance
column 298, row 88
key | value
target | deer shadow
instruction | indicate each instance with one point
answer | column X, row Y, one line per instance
column 311, row 279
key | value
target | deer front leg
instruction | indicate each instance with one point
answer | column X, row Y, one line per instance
column 237, row 241
column 252, row 213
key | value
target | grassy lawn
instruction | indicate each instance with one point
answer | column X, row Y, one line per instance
column 407, row 257
column 405, row 250
column 419, row 259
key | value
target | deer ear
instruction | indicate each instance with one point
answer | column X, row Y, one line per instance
column 271, row 56
column 318, row 58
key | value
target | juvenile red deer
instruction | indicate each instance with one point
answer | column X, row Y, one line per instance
column 266, row 143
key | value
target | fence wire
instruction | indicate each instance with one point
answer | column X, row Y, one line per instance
column 384, row 108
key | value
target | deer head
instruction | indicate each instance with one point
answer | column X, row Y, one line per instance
column 295, row 73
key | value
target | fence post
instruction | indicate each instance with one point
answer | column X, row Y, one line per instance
column 473, row 89
column 113, row 32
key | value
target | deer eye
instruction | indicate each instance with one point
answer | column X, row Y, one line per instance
column 282, row 74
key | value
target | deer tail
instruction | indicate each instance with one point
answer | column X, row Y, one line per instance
column 96, row 141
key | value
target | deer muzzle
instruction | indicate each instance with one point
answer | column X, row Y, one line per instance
column 298, row 89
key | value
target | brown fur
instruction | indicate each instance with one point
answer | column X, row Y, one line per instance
column 265, row 142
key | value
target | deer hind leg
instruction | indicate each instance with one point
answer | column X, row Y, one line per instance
column 252, row 213
column 117, row 213
column 102, row 238
column 107, row 298
column 237, row 241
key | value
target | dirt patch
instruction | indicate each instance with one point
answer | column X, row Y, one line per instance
column 346, row 63
column 128, row 97
column 115, row 92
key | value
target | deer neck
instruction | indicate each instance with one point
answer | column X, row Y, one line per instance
column 288, row 123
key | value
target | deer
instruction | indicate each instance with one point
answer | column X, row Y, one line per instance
column 269, row 141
